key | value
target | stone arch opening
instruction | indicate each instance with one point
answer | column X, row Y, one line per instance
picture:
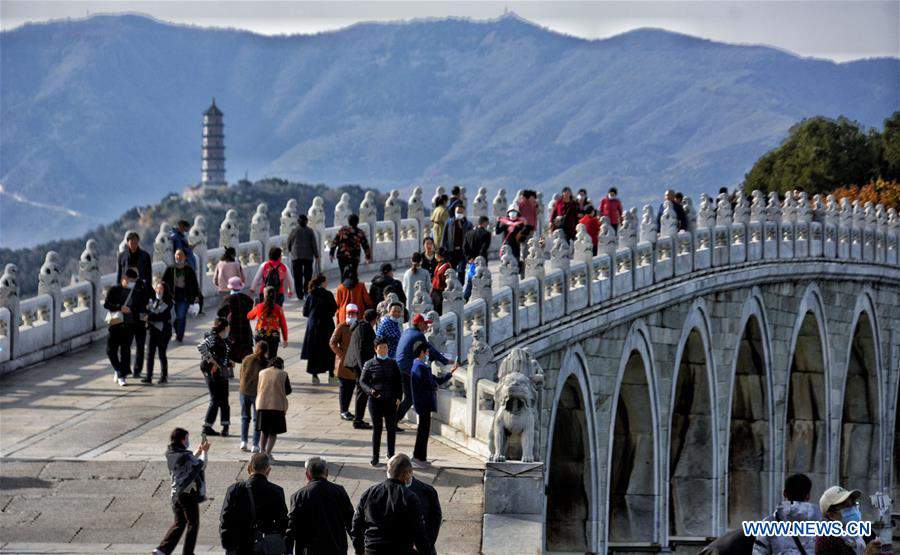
column 749, row 445
column 569, row 485
column 632, row 483
column 691, row 455
column 896, row 449
column 859, row 468
column 807, row 416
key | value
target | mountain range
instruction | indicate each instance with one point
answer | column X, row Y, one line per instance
column 104, row 113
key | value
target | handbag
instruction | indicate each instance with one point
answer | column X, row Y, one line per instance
column 116, row 317
column 264, row 543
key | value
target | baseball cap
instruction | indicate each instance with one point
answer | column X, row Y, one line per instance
column 235, row 283
column 352, row 308
column 836, row 495
column 420, row 319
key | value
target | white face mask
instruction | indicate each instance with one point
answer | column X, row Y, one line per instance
column 398, row 319
column 460, row 215
column 129, row 285
column 187, row 445
column 351, row 321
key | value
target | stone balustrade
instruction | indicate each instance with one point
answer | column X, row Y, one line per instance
column 560, row 278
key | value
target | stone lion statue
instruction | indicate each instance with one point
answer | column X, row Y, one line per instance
column 515, row 408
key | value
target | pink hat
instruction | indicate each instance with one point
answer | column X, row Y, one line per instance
column 235, row 283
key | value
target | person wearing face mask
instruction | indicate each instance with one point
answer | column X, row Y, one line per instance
column 583, row 202
column 439, row 217
column 361, row 349
column 381, row 381
column 415, row 274
column 842, row 505
column 159, row 324
column 429, row 256
column 454, row 238
column 181, row 281
column 405, row 356
column 385, row 283
column 388, row 518
column 234, row 307
column 390, row 327
column 565, row 214
column 120, row 300
column 424, row 395
column 794, row 507
column 188, row 490
column 216, row 369
column 340, row 344
column 611, row 207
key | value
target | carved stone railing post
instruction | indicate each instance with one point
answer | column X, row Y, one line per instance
column 342, row 211
column 162, row 246
column 479, row 366
column 288, row 218
column 89, row 271
column 49, row 284
column 508, row 275
column 479, row 205
column 9, row 298
column 414, row 208
column 454, row 302
column 664, row 251
column 482, row 288
column 259, row 228
column 421, row 301
column 316, row 217
column 368, row 214
column 229, row 230
column 857, row 224
column 392, row 214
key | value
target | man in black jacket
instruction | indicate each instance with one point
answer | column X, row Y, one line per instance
column 181, row 281
column 430, row 506
column 236, row 525
column 362, row 349
column 124, row 297
column 478, row 240
column 381, row 381
column 304, row 248
column 388, row 519
column 321, row 514
column 384, row 284
column 135, row 257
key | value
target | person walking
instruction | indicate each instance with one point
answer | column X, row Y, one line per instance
column 304, row 248
column 351, row 291
column 390, row 327
column 137, row 258
column 271, row 404
column 583, row 202
column 254, row 512
column 455, row 199
column 429, row 256
column 430, row 506
column 527, row 207
column 119, row 301
column 276, row 275
column 454, row 238
column 226, row 268
column 181, row 280
column 424, row 395
column 188, row 490
column 478, row 241
column 415, row 274
column 381, row 381
column 565, row 214
column 611, row 207
column 406, row 355
column 217, row 369
column 159, row 324
column 178, row 235
column 319, row 309
column 251, row 366
column 271, row 325
column 321, row 514
column 234, row 307
column 340, row 343
column 795, row 506
column 680, row 215
column 385, row 283
column 592, row 226
column 388, row 518
column 347, row 244
column 361, row 349
column 438, row 218
column 439, row 280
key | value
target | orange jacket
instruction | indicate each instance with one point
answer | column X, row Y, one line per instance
column 274, row 321
column 358, row 296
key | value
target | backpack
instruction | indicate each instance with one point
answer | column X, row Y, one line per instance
column 273, row 278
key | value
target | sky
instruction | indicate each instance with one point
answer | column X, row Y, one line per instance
column 840, row 30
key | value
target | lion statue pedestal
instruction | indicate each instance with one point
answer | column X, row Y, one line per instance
column 516, row 402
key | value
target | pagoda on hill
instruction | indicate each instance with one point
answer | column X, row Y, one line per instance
column 212, row 173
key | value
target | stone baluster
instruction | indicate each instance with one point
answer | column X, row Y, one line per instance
column 723, row 211
column 499, row 205
column 342, row 211
column 803, row 210
column 392, row 208
column 414, row 208
column 541, row 216
column 758, row 207
column 288, row 219
column 560, row 251
column 454, row 301
column 438, row 191
column 316, row 216
column 741, row 213
column 534, row 261
column 880, row 218
column 690, row 213
column 162, row 246
column 551, row 206
column 845, row 227
column 462, row 196
column 773, row 207
column 817, row 206
column 198, row 241
column 49, row 284
column 706, row 217
column 259, row 228
column 89, row 271
column 229, row 230
column 479, row 366
column 607, row 242
column 421, row 300
column 668, row 221
column 479, row 205
column 508, row 273
column 9, row 298
column 482, row 282
column 831, row 211
column 627, row 233
column 368, row 214
column 648, row 225
column 583, row 246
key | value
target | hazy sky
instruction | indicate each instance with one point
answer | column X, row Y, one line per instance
column 840, row 29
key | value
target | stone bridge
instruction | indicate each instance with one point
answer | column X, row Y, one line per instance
column 686, row 373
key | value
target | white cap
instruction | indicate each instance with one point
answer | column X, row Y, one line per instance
column 352, row 308
column 835, row 495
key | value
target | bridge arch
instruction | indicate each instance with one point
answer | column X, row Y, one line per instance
column 861, row 448
column 632, row 505
column 749, row 433
column 570, row 513
column 807, row 415
column 692, row 482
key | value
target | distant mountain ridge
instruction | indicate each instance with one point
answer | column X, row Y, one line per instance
column 104, row 113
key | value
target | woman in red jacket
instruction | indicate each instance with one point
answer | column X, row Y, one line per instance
column 271, row 325
column 591, row 225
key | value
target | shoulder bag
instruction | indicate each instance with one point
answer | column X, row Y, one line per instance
column 264, row 543
column 115, row 317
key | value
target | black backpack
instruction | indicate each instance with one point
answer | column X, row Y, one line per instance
column 273, row 278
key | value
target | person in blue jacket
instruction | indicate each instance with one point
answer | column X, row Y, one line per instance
column 405, row 357
column 424, row 389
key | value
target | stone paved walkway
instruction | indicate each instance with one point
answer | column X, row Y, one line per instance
column 82, row 468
